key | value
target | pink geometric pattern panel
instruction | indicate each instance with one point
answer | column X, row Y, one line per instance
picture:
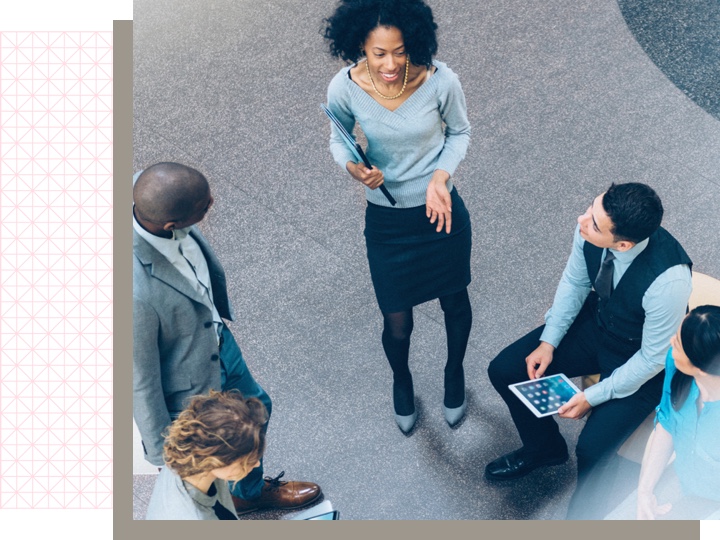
column 56, row 270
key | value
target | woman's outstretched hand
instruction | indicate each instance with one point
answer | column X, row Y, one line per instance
column 438, row 206
column 372, row 178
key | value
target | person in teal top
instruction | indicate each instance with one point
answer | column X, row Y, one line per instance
column 688, row 423
column 688, row 418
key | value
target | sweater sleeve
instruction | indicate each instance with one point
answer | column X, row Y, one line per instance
column 338, row 104
column 457, row 127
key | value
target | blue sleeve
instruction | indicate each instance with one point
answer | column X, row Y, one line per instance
column 665, row 414
column 570, row 296
column 453, row 111
column 338, row 104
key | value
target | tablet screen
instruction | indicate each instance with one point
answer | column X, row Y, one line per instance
column 546, row 395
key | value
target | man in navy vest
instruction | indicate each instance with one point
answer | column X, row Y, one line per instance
column 622, row 295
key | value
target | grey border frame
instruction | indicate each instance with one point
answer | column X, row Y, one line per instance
column 124, row 527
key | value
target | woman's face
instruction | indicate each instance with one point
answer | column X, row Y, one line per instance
column 236, row 471
column 682, row 362
column 385, row 51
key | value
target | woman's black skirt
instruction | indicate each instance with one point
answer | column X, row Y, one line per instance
column 410, row 263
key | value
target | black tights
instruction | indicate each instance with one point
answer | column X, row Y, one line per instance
column 396, row 341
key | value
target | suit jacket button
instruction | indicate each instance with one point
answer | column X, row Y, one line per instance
column 214, row 357
column 208, row 324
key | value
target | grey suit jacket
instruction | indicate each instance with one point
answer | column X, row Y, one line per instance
column 175, row 348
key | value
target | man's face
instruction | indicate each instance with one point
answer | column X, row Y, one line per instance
column 595, row 225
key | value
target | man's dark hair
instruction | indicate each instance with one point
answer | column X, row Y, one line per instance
column 348, row 28
column 634, row 209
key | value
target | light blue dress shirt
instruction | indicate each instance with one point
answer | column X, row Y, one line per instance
column 664, row 303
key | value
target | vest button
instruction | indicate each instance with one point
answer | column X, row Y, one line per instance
column 208, row 324
column 214, row 357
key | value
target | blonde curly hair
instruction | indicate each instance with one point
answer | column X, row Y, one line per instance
column 215, row 431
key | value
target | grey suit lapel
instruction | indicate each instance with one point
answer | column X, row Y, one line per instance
column 162, row 269
column 217, row 276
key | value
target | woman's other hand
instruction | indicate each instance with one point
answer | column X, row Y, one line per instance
column 438, row 206
column 372, row 178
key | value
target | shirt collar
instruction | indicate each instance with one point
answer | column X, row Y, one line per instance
column 205, row 499
column 626, row 257
column 166, row 246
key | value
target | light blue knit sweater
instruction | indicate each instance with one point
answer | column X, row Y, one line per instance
column 409, row 144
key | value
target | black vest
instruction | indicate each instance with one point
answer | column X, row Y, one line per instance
column 622, row 315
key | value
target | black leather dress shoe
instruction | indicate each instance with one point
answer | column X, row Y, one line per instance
column 517, row 464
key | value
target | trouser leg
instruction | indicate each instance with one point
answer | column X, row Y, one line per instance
column 576, row 355
column 607, row 428
column 236, row 375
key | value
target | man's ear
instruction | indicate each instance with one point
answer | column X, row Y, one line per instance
column 624, row 245
column 170, row 226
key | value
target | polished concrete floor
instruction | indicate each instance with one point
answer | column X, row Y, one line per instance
column 563, row 100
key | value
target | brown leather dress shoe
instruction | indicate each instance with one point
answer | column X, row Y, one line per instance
column 278, row 493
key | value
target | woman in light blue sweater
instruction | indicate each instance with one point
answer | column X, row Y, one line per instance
column 412, row 111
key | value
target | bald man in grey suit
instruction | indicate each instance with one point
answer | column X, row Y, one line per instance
column 181, row 345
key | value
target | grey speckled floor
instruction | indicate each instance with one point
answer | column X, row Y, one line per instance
column 681, row 37
column 562, row 101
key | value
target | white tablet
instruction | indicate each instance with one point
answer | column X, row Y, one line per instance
column 546, row 395
column 323, row 511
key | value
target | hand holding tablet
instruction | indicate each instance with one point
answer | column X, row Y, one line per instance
column 546, row 395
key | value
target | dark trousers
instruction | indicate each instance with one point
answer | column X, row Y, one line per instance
column 236, row 375
column 586, row 349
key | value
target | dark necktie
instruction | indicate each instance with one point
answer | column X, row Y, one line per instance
column 220, row 511
column 604, row 279
column 223, row 513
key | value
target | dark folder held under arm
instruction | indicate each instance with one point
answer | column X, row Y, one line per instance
column 355, row 148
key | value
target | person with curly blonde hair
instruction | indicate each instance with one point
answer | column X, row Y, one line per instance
column 218, row 438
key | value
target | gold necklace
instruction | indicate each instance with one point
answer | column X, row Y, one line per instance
column 407, row 65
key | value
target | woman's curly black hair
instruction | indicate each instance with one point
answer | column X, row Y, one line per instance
column 348, row 28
